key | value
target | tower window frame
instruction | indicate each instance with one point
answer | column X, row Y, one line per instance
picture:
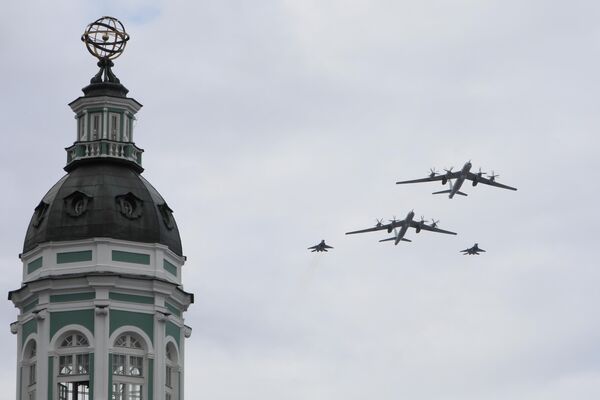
column 114, row 126
column 72, row 371
column 129, row 362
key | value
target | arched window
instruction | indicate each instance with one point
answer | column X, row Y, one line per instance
column 129, row 368
column 29, row 370
column 73, row 367
column 171, row 373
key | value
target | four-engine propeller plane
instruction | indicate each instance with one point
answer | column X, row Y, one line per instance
column 320, row 247
column 400, row 227
column 459, row 177
column 472, row 250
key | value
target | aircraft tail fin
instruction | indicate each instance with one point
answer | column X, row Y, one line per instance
column 442, row 192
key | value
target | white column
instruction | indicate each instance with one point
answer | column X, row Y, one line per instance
column 159, row 354
column 101, row 331
column 43, row 351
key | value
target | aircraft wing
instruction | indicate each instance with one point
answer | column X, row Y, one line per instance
column 328, row 247
column 431, row 228
column 313, row 247
column 392, row 225
column 472, row 177
column 451, row 175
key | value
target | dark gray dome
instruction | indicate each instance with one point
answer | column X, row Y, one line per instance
column 103, row 199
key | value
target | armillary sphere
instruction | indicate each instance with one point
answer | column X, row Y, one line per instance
column 105, row 38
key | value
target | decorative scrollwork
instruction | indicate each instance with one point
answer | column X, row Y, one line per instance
column 167, row 215
column 130, row 206
column 76, row 204
column 39, row 214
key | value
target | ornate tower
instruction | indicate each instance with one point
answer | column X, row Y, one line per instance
column 101, row 303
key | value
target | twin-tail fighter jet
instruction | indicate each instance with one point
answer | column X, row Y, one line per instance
column 460, row 177
column 400, row 227
column 472, row 250
column 320, row 247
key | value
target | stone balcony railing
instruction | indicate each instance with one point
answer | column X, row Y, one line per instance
column 104, row 148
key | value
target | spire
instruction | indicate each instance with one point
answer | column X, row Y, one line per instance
column 105, row 114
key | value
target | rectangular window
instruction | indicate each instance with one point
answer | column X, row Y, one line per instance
column 118, row 391
column 65, row 365
column 83, row 364
column 95, row 126
column 81, row 128
column 136, row 366
column 114, row 126
column 118, row 364
column 32, row 374
column 168, row 377
column 134, row 392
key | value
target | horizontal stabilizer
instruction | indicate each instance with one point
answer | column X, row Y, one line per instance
column 461, row 193
column 394, row 238
column 442, row 192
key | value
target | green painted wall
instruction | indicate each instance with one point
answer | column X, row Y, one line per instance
column 128, row 257
column 73, row 256
column 173, row 309
column 170, row 268
column 63, row 318
column 29, row 327
column 173, row 330
column 131, row 298
column 35, row 265
column 50, row 377
column 30, row 306
column 143, row 321
column 61, row 298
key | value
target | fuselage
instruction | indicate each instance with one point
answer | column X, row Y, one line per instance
column 460, row 180
column 404, row 227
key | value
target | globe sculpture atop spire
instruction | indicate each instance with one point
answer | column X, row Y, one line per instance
column 105, row 39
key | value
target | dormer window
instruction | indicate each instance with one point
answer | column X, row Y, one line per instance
column 114, row 126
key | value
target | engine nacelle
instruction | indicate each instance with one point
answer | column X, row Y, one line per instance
column 475, row 182
column 444, row 181
column 418, row 228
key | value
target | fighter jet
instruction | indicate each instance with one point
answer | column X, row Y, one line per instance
column 401, row 226
column 320, row 247
column 460, row 177
column 472, row 250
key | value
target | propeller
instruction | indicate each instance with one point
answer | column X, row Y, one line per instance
column 448, row 170
column 422, row 220
column 480, row 174
column 432, row 172
column 493, row 176
column 379, row 222
column 434, row 223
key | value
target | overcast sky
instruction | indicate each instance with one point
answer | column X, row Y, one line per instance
column 270, row 125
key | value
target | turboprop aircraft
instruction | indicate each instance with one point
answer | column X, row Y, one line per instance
column 459, row 178
column 400, row 227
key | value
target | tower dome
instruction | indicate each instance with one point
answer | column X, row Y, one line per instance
column 103, row 199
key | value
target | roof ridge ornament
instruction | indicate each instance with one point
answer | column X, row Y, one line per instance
column 105, row 39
